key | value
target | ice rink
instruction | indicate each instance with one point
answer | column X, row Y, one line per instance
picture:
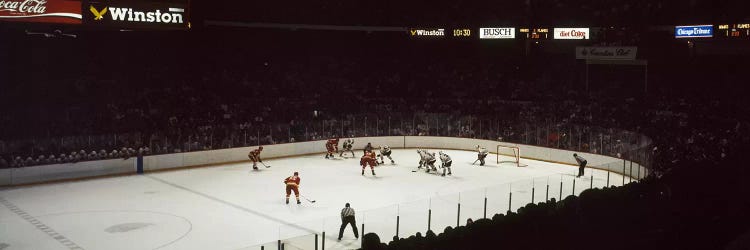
column 233, row 207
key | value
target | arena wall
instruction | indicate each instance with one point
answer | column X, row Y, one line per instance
column 67, row 171
column 37, row 174
column 5, row 178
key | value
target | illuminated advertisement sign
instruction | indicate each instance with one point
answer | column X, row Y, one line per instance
column 144, row 15
column 497, row 33
column 606, row 53
column 694, row 31
column 41, row 11
column 427, row 32
column 571, row 33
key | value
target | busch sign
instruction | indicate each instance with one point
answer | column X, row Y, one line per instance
column 694, row 31
column 497, row 33
column 606, row 53
column 572, row 33
column 45, row 11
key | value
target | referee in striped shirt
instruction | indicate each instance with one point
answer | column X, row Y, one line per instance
column 347, row 217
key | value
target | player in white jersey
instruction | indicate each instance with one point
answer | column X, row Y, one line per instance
column 421, row 157
column 385, row 151
column 482, row 153
column 446, row 162
column 429, row 161
column 348, row 144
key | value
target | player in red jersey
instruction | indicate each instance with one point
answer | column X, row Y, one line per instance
column 254, row 155
column 332, row 145
column 292, row 184
column 368, row 159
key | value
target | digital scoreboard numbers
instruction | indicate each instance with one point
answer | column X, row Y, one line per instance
column 459, row 32
column 740, row 30
column 536, row 33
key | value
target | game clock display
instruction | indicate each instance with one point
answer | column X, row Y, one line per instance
column 461, row 32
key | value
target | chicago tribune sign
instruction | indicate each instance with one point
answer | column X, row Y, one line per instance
column 572, row 33
column 606, row 53
column 45, row 11
column 137, row 14
column 694, row 31
column 497, row 33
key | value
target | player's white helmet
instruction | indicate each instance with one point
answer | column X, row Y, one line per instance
column 386, row 147
column 476, row 146
column 441, row 152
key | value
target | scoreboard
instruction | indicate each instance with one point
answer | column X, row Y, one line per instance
column 739, row 30
column 535, row 33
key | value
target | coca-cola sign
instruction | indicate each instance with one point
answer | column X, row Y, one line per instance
column 572, row 33
column 45, row 11
column 606, row 53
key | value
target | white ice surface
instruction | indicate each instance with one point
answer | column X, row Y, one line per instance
column 233, row 207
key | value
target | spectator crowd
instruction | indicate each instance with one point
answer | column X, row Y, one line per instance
column 239, row 96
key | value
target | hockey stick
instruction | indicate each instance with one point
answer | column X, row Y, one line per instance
column 261, row 163
column 311, row 201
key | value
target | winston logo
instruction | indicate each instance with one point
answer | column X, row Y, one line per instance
column 423, row 32
column 171, row 15
column 98, row 15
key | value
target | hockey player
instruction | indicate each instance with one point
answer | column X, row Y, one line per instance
column 446, row 162
column 421, row 157
column 385, row 151
column 429, row 161
column 292, row 184
column 368, row 159
column 368, row 147
column 348, row 144
column 254, row 155
column 481, row 154
column 332, row 145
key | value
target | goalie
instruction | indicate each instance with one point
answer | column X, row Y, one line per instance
column 482, row 153
column 385, row 151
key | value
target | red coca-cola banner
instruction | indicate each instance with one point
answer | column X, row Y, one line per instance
column 44, row 11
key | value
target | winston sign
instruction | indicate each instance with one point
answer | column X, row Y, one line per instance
column 137, row 14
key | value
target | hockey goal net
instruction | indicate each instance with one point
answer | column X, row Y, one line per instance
column 509, row 154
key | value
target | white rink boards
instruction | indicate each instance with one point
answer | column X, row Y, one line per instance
column 232, row 207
